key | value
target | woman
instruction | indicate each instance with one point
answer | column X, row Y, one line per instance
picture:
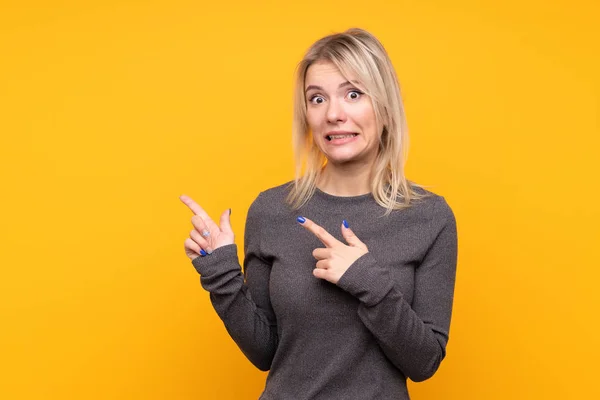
column 335, row 312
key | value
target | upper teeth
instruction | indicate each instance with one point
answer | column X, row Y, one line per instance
column 341, row 136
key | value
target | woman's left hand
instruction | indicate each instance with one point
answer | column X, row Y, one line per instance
column 336, row 257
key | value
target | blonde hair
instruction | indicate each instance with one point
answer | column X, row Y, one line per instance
column 356, row 53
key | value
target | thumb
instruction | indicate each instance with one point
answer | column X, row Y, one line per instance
column 350, row 237
column 225, row 223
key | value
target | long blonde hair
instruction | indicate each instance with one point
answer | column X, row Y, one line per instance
column 357, row 53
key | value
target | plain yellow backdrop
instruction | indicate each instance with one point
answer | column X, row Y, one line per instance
column 109, row 110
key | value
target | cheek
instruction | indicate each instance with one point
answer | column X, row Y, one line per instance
column 365, row 118
column 313, row 119
column 313, row 127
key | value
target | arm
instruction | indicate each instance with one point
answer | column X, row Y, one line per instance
column 414, row 339
column 244, row 307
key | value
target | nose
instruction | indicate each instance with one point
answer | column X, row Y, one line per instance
column 335, row 111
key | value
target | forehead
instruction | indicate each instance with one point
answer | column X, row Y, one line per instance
column 323, row 72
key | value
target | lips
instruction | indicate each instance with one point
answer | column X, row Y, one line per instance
column 339, row 135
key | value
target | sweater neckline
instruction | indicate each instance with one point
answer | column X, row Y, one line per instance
column 343, row 199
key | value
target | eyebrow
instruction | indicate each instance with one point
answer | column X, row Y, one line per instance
column 347, row 83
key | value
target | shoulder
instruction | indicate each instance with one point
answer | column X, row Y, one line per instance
column 434, row 206
column 277, row 192
column 271, row 200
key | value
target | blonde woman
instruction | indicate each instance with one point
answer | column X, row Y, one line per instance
column 350, row 268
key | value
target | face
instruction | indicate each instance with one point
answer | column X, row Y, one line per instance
column 340, row 116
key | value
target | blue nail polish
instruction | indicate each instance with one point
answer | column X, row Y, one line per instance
column 203, row 253
column 301, row 220
column 346, row 224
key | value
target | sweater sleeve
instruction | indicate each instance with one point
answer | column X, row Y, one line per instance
column 243, row 305
column 413, row 338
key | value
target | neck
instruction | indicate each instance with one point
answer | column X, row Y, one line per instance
column 345, row 179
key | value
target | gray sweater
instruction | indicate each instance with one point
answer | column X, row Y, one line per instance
column 386, row 320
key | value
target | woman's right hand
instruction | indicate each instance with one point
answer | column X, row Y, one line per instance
column 206, row 235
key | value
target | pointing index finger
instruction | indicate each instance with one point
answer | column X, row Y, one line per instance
column 195, row 207
column 320, row 232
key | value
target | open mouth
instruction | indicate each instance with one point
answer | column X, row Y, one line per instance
column 339, row 137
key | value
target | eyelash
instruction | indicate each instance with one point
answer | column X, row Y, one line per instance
column 351, row 91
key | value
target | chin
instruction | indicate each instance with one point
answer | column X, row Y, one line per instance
column 342, row 159
column 341, row 155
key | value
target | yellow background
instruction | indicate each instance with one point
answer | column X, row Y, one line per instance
column 109, row 110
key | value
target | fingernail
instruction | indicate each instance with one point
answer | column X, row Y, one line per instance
column 230, row 211
column 346, row 224
column 209, row 250
column 301, row 220
column 202, row 252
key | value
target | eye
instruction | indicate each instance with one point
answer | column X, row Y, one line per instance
column 316, row 99
column 354, row 94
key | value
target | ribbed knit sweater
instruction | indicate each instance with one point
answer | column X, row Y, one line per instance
column 387, row 319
